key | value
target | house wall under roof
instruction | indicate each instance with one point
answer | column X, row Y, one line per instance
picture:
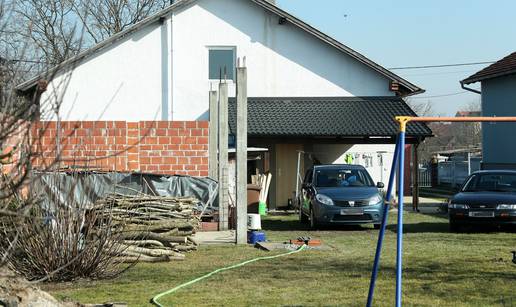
column 282, row 60
column 120, row 82
column 160, row 71
column 499, row 139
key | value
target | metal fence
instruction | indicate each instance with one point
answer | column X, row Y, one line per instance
column 425, row 177
column 455, row 172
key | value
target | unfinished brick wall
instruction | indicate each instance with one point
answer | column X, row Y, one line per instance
column 10, row 145
column 163, row 147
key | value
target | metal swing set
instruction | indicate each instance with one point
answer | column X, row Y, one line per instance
column 398, row 163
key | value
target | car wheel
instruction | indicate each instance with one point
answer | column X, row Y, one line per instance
column 377, row 226
column 302, row 217
column 314, row 224
column 454, row 226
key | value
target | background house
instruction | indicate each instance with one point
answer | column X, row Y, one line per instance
column 308, row 91
column 498, row 90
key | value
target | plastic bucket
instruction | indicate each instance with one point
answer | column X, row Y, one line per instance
column 254, row 222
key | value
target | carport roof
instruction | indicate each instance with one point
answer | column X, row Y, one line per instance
column 337, row 117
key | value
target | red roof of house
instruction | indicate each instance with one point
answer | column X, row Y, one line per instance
column 467, row 113
column 505, row 66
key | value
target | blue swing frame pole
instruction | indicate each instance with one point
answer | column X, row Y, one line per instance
column 399, row 241
column 399, row 157
column 381, row 234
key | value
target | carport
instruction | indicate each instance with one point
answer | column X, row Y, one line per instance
column 358, row 130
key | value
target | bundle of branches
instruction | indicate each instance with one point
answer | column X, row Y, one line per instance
column 62, row 244
column 154, row 228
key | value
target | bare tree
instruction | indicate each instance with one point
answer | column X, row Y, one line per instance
column 103, row 18
column 469, row 134
column 51, row 29
column 24, row 227
column 421, row 108
column 448, row 135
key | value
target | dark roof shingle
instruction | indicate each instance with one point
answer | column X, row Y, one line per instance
column 505, row 66
column 326, row 117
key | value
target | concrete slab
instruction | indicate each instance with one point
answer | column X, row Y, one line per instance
column 215, row 237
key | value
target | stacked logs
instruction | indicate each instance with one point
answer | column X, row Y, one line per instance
column 151, row 228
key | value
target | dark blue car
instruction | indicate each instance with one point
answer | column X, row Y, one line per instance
column 341, row 194
column 486, row 197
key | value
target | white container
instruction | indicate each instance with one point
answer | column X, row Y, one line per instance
column 254, row 222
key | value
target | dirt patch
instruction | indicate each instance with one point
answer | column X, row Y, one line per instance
column 16, row 291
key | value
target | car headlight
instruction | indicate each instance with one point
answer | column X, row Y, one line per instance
column 323, row 199
column 375, row 200
column 506, row 207
column 457, row 206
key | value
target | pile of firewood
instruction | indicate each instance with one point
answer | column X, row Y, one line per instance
column 151, row 228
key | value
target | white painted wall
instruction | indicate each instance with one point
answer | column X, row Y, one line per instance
column 282, row 60
column 122, row 82
column 379, row 154
column 161, row 70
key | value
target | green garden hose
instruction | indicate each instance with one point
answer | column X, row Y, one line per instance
column 186, row 284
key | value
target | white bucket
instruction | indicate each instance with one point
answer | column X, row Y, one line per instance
column 254, row 222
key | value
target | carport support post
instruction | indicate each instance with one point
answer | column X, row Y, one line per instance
column 298, row 177
column 241, row 156
column 213, row 164
column 381, row 234
column 415, row 177
column 399, row 237
column 223, row 157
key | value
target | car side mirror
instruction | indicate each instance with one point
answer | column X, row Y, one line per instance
column 380, row 185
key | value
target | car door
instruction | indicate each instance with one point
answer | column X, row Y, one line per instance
column 307, row 191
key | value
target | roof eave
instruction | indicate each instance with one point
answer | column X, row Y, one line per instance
column 414, row 89
column 412, row 93
column 473, row 79
column 28, row 85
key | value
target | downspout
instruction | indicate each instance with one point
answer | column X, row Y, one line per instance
column 171, row 66
column 468, row 88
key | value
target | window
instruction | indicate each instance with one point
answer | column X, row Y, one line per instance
column 497, row 182
column 342, row 178
column 220, row 59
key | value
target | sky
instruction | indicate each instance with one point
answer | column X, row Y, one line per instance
column 400, row 33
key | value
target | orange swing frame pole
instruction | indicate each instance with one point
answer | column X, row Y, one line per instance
column 403, row 120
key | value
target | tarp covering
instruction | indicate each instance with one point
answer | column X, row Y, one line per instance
column 84, row 188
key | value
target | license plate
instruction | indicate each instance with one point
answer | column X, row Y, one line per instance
column 352, row 211
column 481, row 214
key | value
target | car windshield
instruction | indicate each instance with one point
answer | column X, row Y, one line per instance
column 492, row 182
column 334, row 177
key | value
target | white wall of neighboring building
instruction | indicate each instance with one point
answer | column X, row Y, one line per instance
column 161, row 70
column 376, row 158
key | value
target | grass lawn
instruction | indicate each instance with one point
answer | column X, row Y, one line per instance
column 440, row 269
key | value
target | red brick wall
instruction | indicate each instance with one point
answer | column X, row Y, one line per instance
column 163, row 147
column 10, row 153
